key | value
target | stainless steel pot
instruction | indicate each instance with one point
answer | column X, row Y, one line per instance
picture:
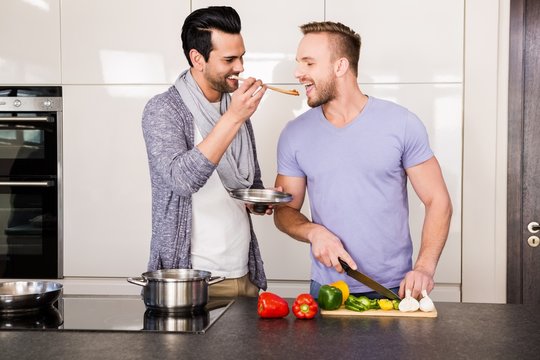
column 175, row 290
column 20, row 296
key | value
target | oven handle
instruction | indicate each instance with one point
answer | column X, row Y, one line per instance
column 26, row 119
column 28, row 183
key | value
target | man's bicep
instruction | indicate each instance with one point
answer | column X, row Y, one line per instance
column 427, row 180
column 296, row 186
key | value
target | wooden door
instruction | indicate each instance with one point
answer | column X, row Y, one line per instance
column 523, row 272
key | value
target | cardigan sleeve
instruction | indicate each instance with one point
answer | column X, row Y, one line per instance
column 168, row 134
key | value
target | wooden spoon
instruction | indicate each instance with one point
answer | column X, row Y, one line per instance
column 283, row 91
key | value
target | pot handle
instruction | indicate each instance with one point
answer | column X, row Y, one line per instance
column 138, row 281
column 215, row 279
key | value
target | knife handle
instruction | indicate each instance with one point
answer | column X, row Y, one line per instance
column 344, row 265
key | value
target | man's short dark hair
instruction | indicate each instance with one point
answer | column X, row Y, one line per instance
column 198, row 26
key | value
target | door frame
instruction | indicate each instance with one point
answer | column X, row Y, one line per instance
column 514, row 279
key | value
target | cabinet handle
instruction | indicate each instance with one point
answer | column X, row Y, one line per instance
column 27, row 183
column 25, row 119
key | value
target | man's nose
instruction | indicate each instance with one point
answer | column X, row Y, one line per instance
column 298, row 73
column 238, row 66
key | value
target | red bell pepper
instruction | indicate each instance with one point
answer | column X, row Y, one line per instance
column 271, row 305
column 305, row 307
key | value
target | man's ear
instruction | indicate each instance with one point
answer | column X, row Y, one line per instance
column 341, row 66
column 197, row 59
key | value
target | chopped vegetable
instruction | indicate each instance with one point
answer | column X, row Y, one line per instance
column 342, row 285
column 271, row 305
column 354, row 307
column 305, row 307
column 356, row 304
column 426, row 304
column 365, row 301
column 386, row 304
column 330, row 297
column 374, row 304
column 395, row 303
column 409, row 303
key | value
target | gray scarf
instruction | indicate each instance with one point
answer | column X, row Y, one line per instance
column 236, row 168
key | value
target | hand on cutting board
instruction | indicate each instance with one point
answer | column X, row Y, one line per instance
column 327, row 247
column 416, row 280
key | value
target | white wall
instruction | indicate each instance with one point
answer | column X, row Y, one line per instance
column 111, row 56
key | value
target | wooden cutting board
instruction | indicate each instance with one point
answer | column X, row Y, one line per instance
column 395, row 313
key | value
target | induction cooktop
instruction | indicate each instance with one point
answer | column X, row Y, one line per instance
column 113, row 313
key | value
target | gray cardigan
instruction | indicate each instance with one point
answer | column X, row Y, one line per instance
column 177, row 170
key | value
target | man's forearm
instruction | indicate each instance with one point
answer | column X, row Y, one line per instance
column 434, row 235
column 293, row 223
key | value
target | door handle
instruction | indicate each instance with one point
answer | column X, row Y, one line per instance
column 533, row 227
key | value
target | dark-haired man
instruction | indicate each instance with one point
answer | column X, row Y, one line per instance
column 200, row 144
column 357, row 181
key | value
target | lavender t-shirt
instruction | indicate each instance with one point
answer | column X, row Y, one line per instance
column 357, row 184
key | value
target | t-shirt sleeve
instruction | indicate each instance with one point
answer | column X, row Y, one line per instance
column 287, row 163
column 416, row 143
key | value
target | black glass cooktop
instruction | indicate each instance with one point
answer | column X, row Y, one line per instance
column 113, row 313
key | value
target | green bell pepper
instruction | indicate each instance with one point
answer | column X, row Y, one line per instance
column 330, row 297
column 354, row 305
column 374, row 304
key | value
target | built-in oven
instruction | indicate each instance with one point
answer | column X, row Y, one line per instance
column 30, row 182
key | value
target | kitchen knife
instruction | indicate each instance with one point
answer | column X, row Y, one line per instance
column 366, row 280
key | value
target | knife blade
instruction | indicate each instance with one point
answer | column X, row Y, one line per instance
column 369, row 282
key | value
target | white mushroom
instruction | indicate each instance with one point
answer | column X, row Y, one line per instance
column 409, row 303
column 426, row 304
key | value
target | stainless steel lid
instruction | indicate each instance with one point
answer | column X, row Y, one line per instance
column 261, row 196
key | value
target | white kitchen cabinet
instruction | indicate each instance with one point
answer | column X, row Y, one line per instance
column 116, row 55
column 284, row 258
column 405, row 41
column 439, row 107
column 271, row 34
column 122, row 41
column 107, row 201
column 30, row 49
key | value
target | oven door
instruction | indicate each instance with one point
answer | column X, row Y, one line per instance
column 28, row 144
column 28, row 228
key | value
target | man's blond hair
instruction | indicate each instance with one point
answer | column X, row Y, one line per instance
column 347, row 42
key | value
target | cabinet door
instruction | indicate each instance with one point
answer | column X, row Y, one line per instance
column 30, row 49
column 122, row 41
column 440, row 108
column 271, row 34
column 415, row 41
column 107, row 201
